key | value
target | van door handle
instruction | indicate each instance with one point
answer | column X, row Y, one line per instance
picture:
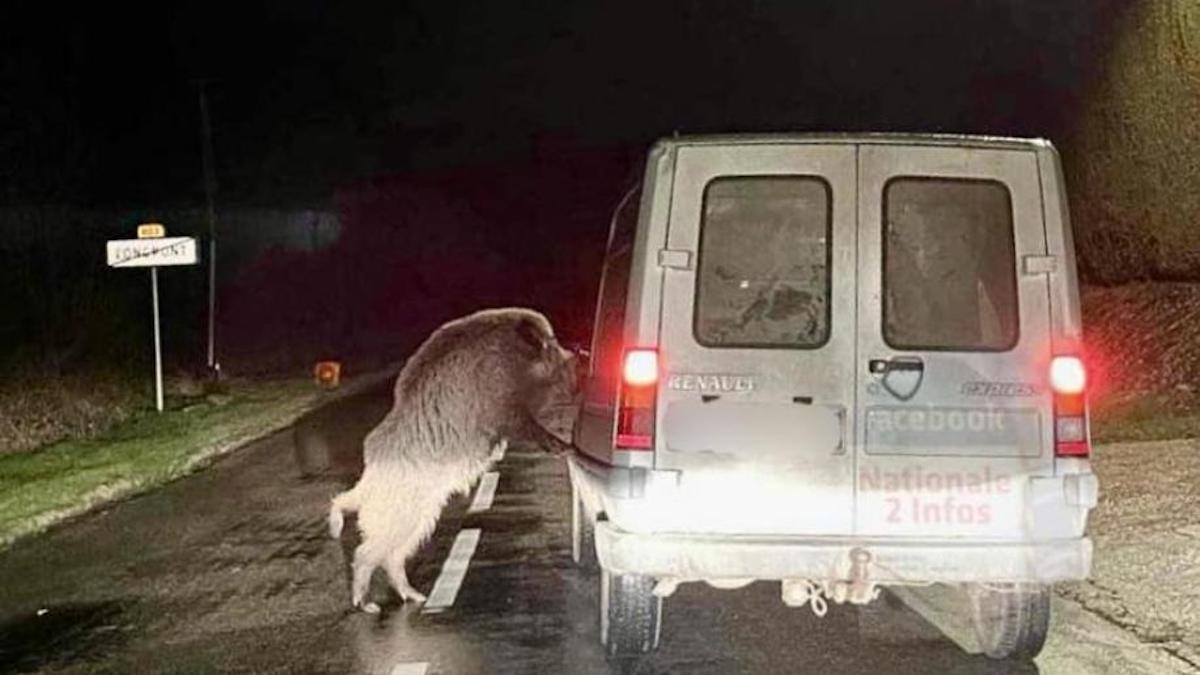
column 884, row 366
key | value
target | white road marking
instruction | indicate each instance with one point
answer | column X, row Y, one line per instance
column 485, row 493
column 410, row 668
column 445, row 589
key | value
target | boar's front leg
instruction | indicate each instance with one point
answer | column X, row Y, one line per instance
column 523, row 428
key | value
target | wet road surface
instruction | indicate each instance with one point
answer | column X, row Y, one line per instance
column 232, row 570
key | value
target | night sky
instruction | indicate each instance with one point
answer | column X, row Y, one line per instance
column 98, row 103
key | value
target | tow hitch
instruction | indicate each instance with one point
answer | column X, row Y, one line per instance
column 858, row 589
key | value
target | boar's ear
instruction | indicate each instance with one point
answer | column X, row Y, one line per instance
column 531, row 334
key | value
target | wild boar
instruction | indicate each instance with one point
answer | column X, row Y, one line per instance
column 474, row 384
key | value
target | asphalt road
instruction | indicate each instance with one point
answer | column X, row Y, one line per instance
column 232, row 571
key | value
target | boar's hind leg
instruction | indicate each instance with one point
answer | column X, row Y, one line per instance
column 366, row 558
column 395, row 569
column 422, row 518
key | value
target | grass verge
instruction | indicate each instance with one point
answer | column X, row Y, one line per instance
column 1148, row 417
column 37, row 409
column 69, row 478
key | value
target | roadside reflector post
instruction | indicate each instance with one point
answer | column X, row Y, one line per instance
column 328, row 374
column 153, row 249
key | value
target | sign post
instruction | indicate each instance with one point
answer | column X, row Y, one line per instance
column 158, row 378
column 153, row 249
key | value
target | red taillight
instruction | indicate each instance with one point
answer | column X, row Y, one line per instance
column 641, row 367
column 636, row 400
column 1068, row 381
column 1067, row 375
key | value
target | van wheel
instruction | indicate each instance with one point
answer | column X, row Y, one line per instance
column 583, row 536
column 1011, row 624
column 630, row 614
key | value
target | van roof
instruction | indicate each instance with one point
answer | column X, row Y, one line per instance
column 958, row 140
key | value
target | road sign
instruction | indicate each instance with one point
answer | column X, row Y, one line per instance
column 152, row 252
column 151, row 231
column 155, row 252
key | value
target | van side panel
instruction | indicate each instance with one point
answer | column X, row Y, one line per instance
column 593, row 434
column 1065, row 316
column 1066, row 319
column 644, row 307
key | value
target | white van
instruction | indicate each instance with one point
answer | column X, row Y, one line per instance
column 841, row 363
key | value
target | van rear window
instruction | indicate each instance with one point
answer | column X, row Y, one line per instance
column 763, row 274
column 949, row 277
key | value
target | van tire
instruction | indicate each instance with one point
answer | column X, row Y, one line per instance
column 1011, row 624
column 583, row 536
column 630, row 614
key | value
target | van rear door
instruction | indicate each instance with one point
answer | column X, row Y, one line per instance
column 757, row 339
column 953, row 342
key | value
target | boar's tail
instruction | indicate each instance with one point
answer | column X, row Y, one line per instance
column 346, row 501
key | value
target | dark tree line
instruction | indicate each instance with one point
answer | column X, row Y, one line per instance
column 1133, row 154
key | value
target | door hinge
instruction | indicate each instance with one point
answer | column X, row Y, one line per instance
column 840, row 448
column 1040, row 264
column 675, row 259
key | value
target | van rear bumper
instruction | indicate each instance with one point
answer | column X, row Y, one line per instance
column 689, row 557
column 625, row 492
column 627, row 495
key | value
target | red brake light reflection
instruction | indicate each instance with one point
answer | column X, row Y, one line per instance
column 1067, row 375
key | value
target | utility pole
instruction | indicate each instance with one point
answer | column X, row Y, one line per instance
column 210, row 186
